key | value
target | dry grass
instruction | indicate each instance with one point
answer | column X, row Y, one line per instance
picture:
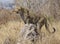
column 10, row 25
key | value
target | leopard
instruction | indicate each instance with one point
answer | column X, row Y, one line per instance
column 37, row 19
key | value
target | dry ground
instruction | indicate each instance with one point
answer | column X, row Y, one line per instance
column 10, row 25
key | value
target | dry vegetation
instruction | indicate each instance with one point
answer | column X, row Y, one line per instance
column 11, row 23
